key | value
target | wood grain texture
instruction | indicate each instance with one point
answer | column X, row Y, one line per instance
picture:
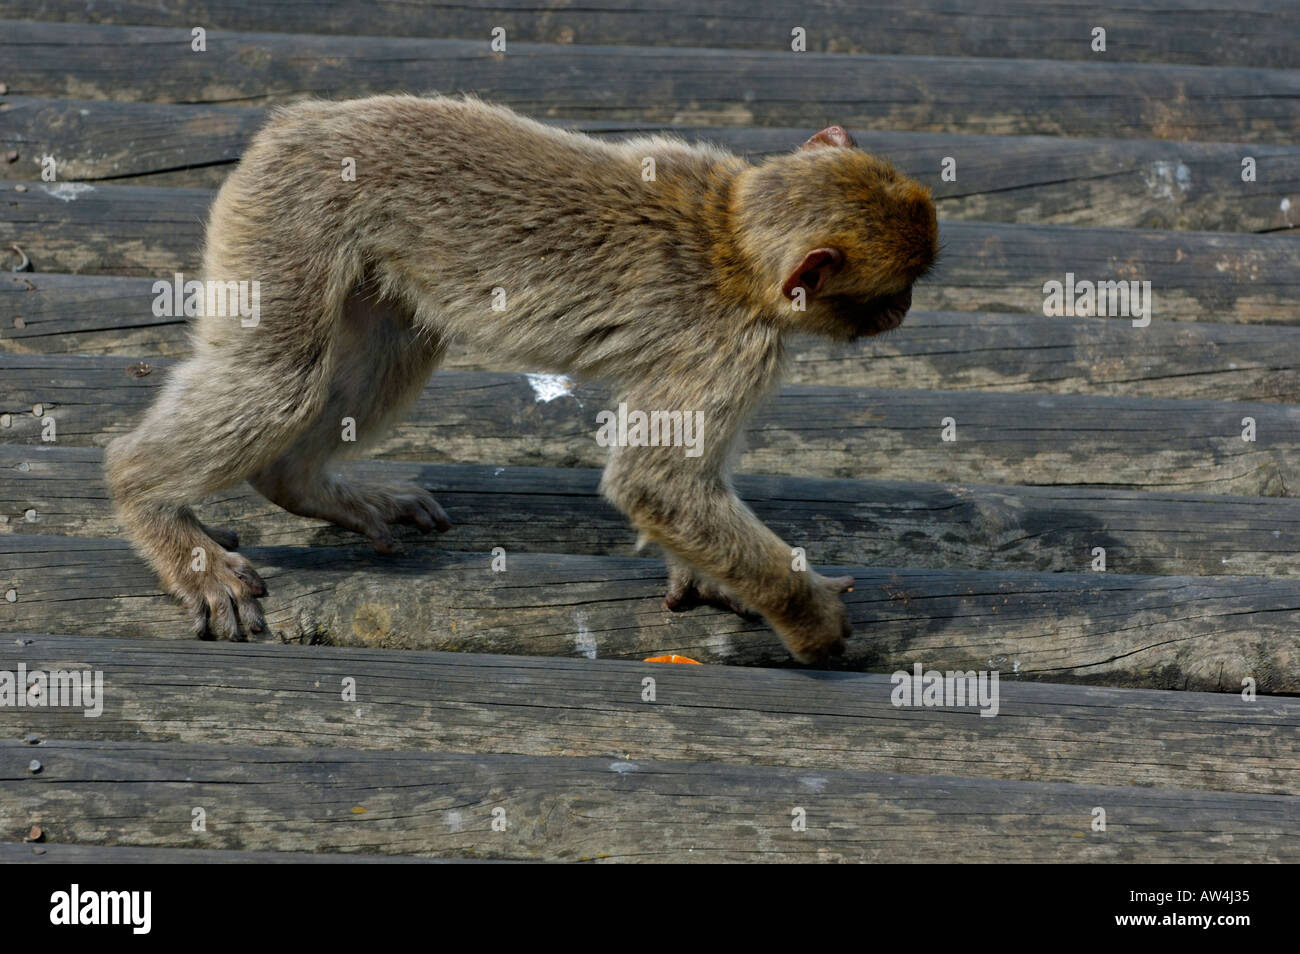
column 199, row 693
column 60, row 490
column 1115, row 183
column 1202, row 32
column 1224, row 277
column 811, row 431
column 1171, row 632
column 704, row 86
column 1120, row 690
column 954, row 351
column 607, row 809
column 15, row 853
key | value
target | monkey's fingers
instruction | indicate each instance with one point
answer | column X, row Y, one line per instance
column 198, row 610
column 222, row 616
column 420, row 518
column 839, row 584
column 223, row 602
column 410, row 505
column 248, row 576
column 435, row 517
column 227, row 615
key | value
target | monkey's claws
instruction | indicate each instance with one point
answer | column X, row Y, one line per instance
column 374, row 509
column 223, row 600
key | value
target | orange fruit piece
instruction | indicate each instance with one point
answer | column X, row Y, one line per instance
column 674, row 658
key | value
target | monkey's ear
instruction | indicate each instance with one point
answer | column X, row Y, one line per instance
column 812, row 273
column 830, row 136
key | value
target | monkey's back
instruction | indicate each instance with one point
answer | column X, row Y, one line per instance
column 458, row 206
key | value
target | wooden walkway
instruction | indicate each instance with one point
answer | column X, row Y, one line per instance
column 505, row 716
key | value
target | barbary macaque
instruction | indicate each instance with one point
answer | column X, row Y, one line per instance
column 679, row 286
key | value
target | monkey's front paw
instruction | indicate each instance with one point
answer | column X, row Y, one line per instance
column 686, row 591
column 821, row 630
column 222, row 599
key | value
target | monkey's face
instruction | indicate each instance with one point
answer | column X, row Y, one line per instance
column 862, row 234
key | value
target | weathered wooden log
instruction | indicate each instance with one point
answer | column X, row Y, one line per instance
column 93, row 314
column 1251, row 33
column 60, row 490
column 1176, row 632
column 204, row 693
column 153, row 232
column 15, row 853
column 724, row 87
column 810, row 431
column 1031, row 179
column 291, row 799
column 85, row 314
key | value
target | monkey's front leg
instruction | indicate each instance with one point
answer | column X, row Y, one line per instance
column 688, row 588
column 704, row 526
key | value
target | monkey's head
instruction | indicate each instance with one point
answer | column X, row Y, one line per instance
column 838, row 231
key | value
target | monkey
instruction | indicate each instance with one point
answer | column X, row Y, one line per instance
column 673, row 271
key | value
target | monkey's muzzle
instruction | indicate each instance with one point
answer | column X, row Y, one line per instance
column 887, row 313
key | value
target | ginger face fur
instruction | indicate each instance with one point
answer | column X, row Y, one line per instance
column 678, row 291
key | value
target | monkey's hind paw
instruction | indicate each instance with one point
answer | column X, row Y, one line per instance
column 687, row 591
column 374, row 509
column 223, row 598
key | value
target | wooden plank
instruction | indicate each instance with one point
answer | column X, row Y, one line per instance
column 724, row 87
column 1173, row 632
column 94, row 140
column 199, row 693
column 155, row 232
column 76, row 227
column 59, row 490
column 1202, row 32
column 94, row 314
column 1034, row 179
column 809, row 431
column 87, row 314
column 14, row 853
column 608, row 809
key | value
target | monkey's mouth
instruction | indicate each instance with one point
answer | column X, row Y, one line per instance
column 886, row 313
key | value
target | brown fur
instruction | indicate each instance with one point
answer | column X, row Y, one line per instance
column 671, row 289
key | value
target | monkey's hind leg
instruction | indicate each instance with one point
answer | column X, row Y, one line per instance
column 207, row 431
column 383, row 362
